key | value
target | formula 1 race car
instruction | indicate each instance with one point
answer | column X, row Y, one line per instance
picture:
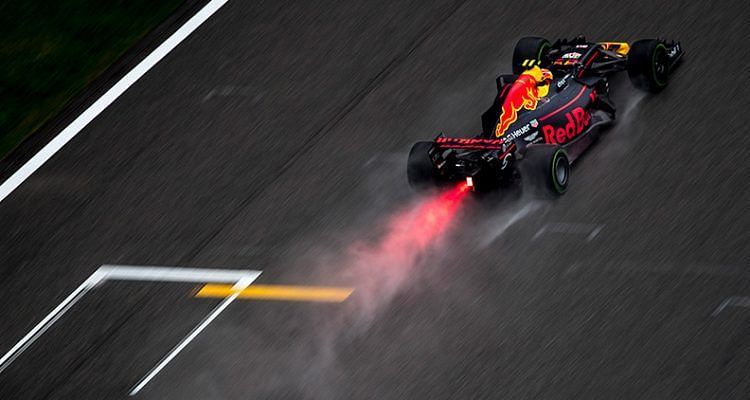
column 544, row 116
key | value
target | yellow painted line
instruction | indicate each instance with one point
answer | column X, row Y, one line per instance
column 279, row 292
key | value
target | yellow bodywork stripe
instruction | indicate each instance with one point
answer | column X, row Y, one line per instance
column 621, row 48
column 279, row 292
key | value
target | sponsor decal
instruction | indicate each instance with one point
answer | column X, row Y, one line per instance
column 534, row 123
column 522, row 94
column 582, row 46
column 449, row 140
column 505, row 161
column 673, row 51
column 531, row 137
column 561, row 61
column 574, row 55
column 563, row 81
column 577, row 120
column 518, row 132
column 470, row 143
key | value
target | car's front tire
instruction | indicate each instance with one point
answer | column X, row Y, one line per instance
column 648, row 65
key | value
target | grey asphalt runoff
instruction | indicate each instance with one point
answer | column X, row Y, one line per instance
column 275, row 138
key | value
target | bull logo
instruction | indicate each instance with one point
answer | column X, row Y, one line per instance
column 523, row 93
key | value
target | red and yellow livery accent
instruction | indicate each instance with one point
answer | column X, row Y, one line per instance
column 525, row 92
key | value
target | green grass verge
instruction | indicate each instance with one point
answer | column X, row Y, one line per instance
column 50, row 51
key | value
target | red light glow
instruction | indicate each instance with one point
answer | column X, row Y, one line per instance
column 381, row 268
column 415, row 230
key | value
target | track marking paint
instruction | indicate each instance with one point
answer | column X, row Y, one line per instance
column 108, row 98
column 594, row 232
column 240, row 278
column 591, row 231
column 732, row 302
column 48, row 321
column 172, row 274
column 236, row 290
column 278, row 292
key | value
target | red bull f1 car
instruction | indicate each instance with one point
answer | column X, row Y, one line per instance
column 544, row 116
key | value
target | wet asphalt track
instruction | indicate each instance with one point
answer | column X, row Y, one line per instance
column 276, row 136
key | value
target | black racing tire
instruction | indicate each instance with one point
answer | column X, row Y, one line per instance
column 529, row 48
column 545, row 170
column 420, row 170
column 648, row 65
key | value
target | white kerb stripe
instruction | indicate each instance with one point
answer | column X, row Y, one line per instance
column 110, row 96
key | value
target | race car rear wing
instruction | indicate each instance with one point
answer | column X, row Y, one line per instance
column 444, row 143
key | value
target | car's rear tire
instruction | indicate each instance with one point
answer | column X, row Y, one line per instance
column 420, row 170
column 648, row 66
column 529, row 48
column 545, row 170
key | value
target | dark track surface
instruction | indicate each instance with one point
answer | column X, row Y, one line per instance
column 276, row 136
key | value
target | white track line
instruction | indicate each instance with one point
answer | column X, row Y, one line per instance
column 108, row 98
column 732, row 301
column 593, row 233
column 50, row 319
column 238, row 288
column 172, row 274
column 128, row 273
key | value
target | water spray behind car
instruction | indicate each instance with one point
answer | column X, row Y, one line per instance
column 381, row 268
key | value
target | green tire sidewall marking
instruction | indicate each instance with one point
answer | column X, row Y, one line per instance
column 653, row 63
column 555, row 161
column 541, row 50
